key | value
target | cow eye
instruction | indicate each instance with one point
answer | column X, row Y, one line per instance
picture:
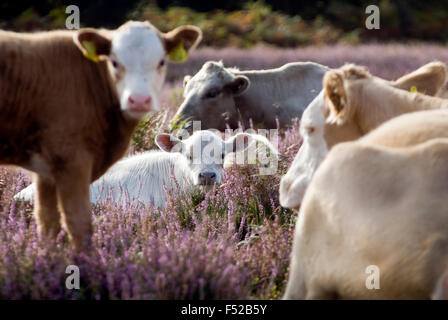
column 223, row 156
column 310, row 129
column 212, row 94
column 115, row 64
column 161, row 63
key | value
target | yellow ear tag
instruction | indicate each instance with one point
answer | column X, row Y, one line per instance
column 90, row 51
column 178, row 53
column 413, row 89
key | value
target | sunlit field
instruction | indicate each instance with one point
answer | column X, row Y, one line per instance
column 232, row 243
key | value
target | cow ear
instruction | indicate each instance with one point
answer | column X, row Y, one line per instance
column 186, row 79
column 168, row 143
column 238, row 85
column 93, row 45
column 428, row 79
column 238, row 142
column 337, row 108
column 180, row 41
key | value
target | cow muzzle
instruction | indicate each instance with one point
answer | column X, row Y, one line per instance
column 207, row 178
column 140, row 103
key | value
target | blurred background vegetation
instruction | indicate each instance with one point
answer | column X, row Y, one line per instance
column 243, row 23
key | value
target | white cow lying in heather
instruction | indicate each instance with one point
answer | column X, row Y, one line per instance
column 379, row 201
column 353, row 103
column 146, row 177
column 217, row 95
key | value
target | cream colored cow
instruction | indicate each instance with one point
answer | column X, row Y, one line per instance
column 352, row 104
column 380, row 201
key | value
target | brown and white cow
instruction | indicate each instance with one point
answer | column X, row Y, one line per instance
column 69, row 102
column 353, row 103
column 379, row 201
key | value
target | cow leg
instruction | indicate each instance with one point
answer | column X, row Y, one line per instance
column 74, row 202
column 46, row 208
column 295, row 288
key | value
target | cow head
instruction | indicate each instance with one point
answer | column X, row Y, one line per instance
column 328, row 120
column 136, row 55
column 334, row 106
column 312, row 152
column 209, row 97
column 204, row 153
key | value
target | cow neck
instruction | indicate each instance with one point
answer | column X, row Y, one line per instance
column 116, row 128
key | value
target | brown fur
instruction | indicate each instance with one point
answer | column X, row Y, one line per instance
column 334, row 89
column 58, row 105
column 190, row 36
column 102, row 44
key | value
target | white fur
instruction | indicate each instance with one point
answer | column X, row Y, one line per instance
column 139, row 50
column 141, row 178
column 311, row 154
column 281, row 93
column 147, row 176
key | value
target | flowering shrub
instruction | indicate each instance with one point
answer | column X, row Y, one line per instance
column 252, row 23
column 216, row 249
column 233, row 242
column 389, row 61
column 255, row 23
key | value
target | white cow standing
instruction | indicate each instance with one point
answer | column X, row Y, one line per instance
column 196, row 162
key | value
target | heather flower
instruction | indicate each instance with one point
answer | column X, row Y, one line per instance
column 232, row 242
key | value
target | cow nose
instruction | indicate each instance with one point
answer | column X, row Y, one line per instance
column 206, row 178
column 140, row 102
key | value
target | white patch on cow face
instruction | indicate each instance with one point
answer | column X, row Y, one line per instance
column 204, row 153
column 312, row 152
column 137, row 64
